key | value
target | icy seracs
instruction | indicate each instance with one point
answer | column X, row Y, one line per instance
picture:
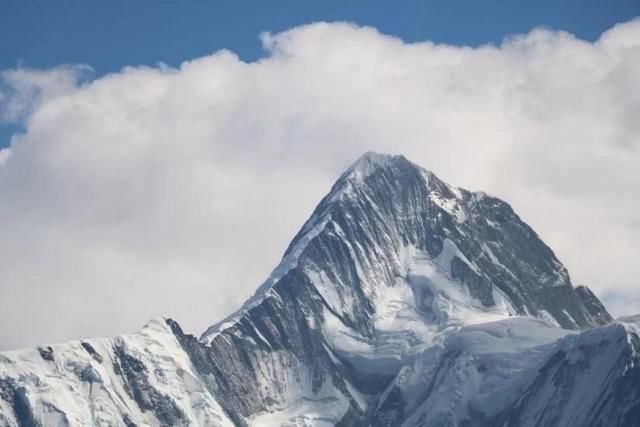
column 402, row 301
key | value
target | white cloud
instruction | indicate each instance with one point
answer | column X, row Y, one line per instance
column 4, row 155
column 160, row 191
column 23, row 89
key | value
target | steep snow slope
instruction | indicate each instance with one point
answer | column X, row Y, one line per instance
column 513, row 372
column 592, row 379
column 472, row 375
column 141, row 379
column 391, row 271
column 520, row 372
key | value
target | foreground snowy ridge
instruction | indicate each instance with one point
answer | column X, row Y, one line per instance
column 402, row 301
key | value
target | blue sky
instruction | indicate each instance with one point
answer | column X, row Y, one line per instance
column 110, row 35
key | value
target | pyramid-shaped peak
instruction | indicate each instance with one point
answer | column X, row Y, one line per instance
column 371, row 159
column 394, row 164
column 378, row 158
column 369, row 162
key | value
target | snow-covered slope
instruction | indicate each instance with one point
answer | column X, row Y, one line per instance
column 141, row 379
column 401, row 300
column 520, row 372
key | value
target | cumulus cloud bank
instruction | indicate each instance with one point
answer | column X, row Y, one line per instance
column 163, row 191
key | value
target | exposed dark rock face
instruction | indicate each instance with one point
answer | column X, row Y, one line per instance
column 92, row 351
column 136, row 380
column 46, row 353
column 22, row 408
column 16, row 396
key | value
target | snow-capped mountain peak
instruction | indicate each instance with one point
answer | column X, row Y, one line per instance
column 398, row 292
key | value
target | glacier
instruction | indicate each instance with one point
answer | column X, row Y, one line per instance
column 402, row 301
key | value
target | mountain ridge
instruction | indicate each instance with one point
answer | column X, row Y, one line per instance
column 346, row 185
column 392, row 269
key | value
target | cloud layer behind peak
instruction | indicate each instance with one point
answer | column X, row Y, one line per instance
column 162, row 191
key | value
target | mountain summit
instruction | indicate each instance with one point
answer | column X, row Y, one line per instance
column 385, row 213
column 401, row 301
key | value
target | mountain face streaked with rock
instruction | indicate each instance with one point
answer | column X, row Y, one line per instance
column 402, row 301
